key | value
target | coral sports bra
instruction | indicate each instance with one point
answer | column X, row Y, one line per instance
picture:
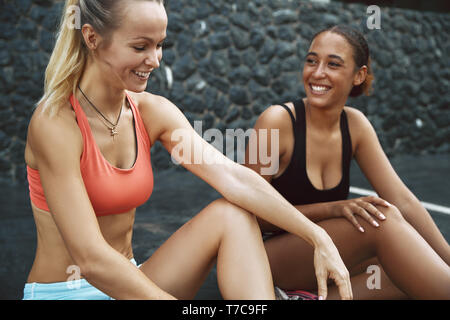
column 111, row 190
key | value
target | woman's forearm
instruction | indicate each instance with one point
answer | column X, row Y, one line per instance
column 316, row 212
column 112, row 273
column 256, row 195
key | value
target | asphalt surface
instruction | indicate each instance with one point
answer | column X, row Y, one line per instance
column 177, row 197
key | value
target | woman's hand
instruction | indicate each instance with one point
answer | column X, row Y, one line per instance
column 364, row 207
column 328, row 264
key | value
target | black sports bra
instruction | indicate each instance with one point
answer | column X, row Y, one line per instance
column 294, row 184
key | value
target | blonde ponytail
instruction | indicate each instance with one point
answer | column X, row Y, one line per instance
column 66, row 63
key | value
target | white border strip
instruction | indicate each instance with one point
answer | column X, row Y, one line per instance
column 427, row 205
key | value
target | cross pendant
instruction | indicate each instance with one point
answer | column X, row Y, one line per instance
column 114, row 132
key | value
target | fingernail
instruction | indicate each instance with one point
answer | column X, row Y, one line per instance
column 361, row 229
column 388, row 204
column 320, row 298
column 376, row 224
column 382, row 216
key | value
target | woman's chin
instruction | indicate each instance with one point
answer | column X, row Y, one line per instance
column 316, row 100
column 137, row 88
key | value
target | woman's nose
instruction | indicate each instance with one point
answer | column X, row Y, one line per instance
column 319, row 72
column 153, row 59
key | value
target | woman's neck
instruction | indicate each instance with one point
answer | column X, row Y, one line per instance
column 323, row 118
column 106, row 98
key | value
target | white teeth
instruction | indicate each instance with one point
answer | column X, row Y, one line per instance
column 319, row 88
column 142, row 74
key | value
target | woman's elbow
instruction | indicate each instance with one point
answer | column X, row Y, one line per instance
column 87, row 259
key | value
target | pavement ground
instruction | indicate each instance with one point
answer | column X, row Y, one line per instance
column 179, row 195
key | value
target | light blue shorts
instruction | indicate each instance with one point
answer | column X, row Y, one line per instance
column 68, row 290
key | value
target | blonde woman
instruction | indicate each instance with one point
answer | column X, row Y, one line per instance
column 88, row 163
column 319, row 136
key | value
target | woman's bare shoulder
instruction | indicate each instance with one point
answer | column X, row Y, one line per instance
column 50, row 134
column 359, row 125
column 275, row 116
column 356, row 118
column 158, row 113
column 147, row 102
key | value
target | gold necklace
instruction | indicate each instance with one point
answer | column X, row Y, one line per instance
column 113, row 126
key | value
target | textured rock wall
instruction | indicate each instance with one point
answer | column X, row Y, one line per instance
column 226, row 61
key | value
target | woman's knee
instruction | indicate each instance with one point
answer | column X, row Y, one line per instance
column 392, row 224
column 391, row 213
column 231, row 215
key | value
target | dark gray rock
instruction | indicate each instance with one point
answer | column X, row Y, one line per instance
column 193, row 104
column 240, row 38
column 5, row 141
column 189, row 15
column 221, row 106
column 217, row 82
column 210, row 97
column 286, row 33
column 23, row 6
column 204, row 11
column 176, row 23
column 169, row 56
column 241, row 20
column 256, row 38
column 233, row 114
column 208, row 121
column 272, row 32
column 285, row 16
column 285, row 49
column 220, row 40
column 261, row 75
column 240, row 75
column 234, row 57
column 177, row 92
column 5, row 58
column 239, row 95
column 249, row 57
column 183, row 42
column 218, row 63
column 218, row 23
column 267, row 51
column 184, row 68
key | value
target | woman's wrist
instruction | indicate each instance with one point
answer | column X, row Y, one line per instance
column 329, row 209
column 317, row 236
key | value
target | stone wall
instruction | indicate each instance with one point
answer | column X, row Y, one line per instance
column 226, row 61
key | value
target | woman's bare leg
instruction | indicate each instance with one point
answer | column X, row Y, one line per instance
column 422, row 221
column 359, row 276
column 222, row 232
column 408, row 260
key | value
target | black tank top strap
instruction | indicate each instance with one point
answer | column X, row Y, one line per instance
column 290, row 113
column 300, row 133
column 347, row 144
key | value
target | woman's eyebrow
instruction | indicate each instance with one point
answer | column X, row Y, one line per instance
column 336, row 57
column 311, row 54
column 148, row 39
column 333, row 56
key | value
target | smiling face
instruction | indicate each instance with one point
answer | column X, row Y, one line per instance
column 135, row 49
column 329, row 71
